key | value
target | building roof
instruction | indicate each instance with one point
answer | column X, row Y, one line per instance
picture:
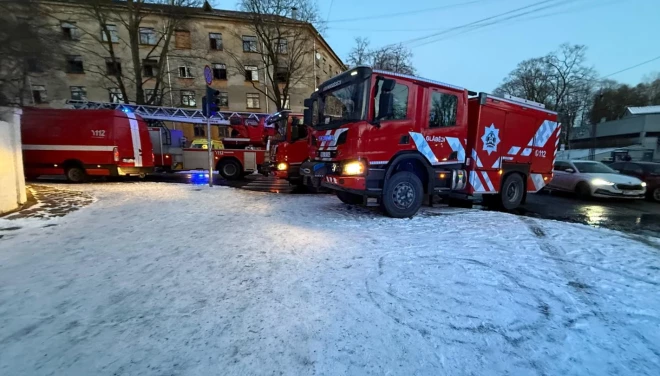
column 647, row 110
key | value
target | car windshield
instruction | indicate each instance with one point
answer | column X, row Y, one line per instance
column 590, row 167
column 341, row 105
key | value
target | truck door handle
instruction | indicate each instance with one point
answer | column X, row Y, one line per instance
column 404, row 140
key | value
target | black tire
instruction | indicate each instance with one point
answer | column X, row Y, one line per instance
column 512, row 192
column 349, row 198
column 75, row 174
column 230, row 169
column 655, row 195
column 583, row 190
column 403, row 195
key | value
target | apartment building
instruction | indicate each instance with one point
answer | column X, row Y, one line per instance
column 222, row 39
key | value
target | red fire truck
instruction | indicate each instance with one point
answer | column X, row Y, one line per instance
column 79, row 144
column 244, row 152
column 288, row 154
column 396, row 139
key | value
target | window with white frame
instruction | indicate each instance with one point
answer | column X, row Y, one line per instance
column 224, row 99
column 251, row 73
column 78, row 93
column 70, row 31
column 115, row 95
column 152, row 97
column 253, row 100
column 148, row 36
column 112, row 30
column 215, row 41
column 287, row 104
column 185, row 72
column 188, row 98
column 249, row 43
column 219, row 71
column 39, row 94
column 281, row 46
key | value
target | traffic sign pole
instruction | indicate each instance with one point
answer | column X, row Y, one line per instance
column 208, row 75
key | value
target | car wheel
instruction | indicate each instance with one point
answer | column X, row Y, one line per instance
column 583, row 190
column 656, row 195
column 403, row 195
column 230, row 170
column 512, row 192
column 349, row 198
column 75, row 174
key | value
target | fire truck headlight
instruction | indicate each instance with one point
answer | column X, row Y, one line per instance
column 282, row 166
column 353, row 168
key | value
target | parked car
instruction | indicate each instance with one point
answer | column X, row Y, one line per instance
column 647, row 172
column 594, row 179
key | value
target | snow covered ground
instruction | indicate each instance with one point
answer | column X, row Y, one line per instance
column 156, row 279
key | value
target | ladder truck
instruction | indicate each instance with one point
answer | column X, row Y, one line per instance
column 245, row 150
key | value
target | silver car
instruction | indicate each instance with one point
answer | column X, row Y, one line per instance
column 594, row 179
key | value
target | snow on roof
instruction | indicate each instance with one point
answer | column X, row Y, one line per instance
column 646, row 110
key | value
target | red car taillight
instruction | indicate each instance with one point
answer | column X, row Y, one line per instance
column 115, row 154
column 153, row 158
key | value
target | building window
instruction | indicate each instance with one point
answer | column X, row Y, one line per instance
column 324, row 66
column 74, row 64
column 70, row 31
column 39, row 94
column 215, row 40
column 151, row 97
column 185, row 72
column 287, row 104
column 199, row 131
column 282, row 74
column 188, row 98
column 182, row 39
column 78, row 93
column 281, row 46
column 115, row 95
column 150, row 68
column 148, row 36
column 249, row 43
column 219, row 71
column 251, row 73
column 224, row 99
column 400, row 94
column 443, row 110
column 112, row 30
column 253, row 100
column 112, row 67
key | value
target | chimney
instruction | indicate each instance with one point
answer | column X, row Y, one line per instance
column 294, row 13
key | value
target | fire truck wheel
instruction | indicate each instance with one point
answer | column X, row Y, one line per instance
column 75, row 174
column 403, row 195
column 513, row 190
column 349, row 198
column 230, row 169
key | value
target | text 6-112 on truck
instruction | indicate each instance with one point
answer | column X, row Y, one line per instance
column 396, row 139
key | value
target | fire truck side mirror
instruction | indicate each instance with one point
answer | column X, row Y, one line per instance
column 307, row 103
column 307, row 116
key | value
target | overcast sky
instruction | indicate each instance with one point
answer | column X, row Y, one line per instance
column 619, row 34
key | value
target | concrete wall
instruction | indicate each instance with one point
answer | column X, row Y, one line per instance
column 12, row 181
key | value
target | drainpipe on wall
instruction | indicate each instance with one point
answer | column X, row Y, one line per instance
column 169, row 79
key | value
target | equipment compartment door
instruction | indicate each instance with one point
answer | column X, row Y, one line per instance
column 250, row 161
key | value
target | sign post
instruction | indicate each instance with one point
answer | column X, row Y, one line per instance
column 208, row 75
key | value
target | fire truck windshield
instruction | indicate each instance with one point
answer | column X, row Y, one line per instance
column 343, row 104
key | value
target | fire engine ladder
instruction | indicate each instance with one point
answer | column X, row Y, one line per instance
column 161, row 113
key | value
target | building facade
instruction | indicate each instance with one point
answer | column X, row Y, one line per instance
column 223, row 40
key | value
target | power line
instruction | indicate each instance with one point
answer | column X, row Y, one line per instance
column 432, row 35
column 479, row 25
column 329, row 10
column 633, row 67
column 399, row 14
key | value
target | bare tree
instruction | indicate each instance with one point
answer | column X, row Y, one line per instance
column 282, row 50
column 107, row 42
column 394, row 58
column 26, row 49
column 561, row 80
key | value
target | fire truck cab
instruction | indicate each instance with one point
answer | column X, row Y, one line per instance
column 288, row 154
column 397, row 139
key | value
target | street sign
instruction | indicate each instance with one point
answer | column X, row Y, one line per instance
column 208, row 75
